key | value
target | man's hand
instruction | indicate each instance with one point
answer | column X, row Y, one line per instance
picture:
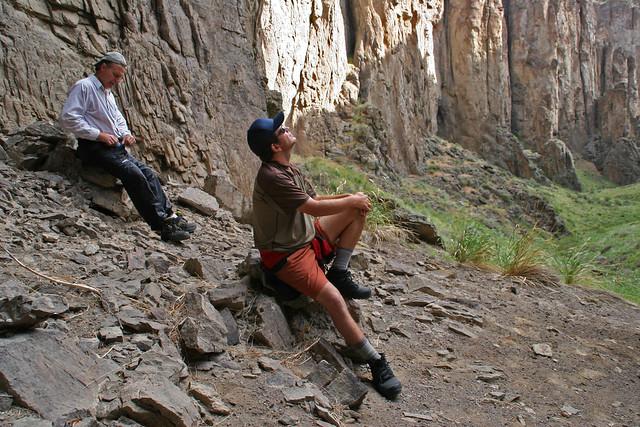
column 129, row 140
column 361, row 201
column 108, row 139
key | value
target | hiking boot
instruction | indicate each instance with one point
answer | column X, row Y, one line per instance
column 171, row 232
column 383, row 379
column 189, row 227
column 343, row 281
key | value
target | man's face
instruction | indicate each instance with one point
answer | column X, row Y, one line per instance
column 285, row 138
column 110, row 74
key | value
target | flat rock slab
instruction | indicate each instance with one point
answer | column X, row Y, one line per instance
column 274, row 331
column 323, row 350
column 199, row 200
column 157, row 401
column 461, row 330
column 233, row 335
column 542, row 349
column 398, row 268
column 422, row 284
column 347, row 389
column 49, row 375
column 204, row 330
column 232, row 295
column 209, row 397
column 21, row 310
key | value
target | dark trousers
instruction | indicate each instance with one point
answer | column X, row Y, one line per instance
column 140, row 181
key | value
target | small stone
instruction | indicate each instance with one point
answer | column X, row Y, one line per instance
column 209, row 398
column 50, row 237
column 490, row 377
column 417, row 416
column 351, row 413
column 5, row 402
column 542, row 350
column 288, row 420
column 398, row 331
column 425, row 319
column 142, row 341
column 298, row 394
column 498, row 395
column 110, row 334
column 511, row 397
column 327, row 416
column 91, row 249
column 568, row 411
column 462, row 330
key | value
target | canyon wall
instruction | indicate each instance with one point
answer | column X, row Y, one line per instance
column 528, row 85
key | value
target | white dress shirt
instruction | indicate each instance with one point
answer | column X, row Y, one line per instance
column 91, row 109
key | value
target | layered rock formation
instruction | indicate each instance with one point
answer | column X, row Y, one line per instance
column 371, row 78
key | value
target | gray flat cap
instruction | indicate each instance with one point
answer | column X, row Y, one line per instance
column 115, row 57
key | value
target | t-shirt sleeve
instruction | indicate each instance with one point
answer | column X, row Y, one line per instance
column 282, row 189
column 310, row 191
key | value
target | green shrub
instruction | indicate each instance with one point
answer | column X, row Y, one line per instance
column 520, row 255
column 470, row 244
column 573, row 263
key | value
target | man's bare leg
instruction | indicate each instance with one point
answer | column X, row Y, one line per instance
column 359, row 346
column 330, row 298
column 344, row 230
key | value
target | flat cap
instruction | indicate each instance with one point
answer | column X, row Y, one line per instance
column 114, row 57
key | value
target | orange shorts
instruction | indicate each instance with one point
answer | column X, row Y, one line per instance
column 302, row 272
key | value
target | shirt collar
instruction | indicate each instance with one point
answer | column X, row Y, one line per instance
column 97, row 83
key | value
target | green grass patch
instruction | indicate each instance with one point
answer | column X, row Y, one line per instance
column 471, row 243
column 603, row 249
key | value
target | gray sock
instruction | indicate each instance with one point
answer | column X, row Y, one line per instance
column 343, row 256
column 364, row 352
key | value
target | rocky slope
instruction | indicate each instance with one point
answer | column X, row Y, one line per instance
column 186, row 335
column 523, row 84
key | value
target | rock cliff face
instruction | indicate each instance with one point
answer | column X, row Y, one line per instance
column 373, row 77
column 191, row 89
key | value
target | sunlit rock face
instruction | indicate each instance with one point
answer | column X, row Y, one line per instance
column 367, row 78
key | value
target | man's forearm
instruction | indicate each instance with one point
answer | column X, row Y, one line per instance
column 332, row 196
column 323, row 207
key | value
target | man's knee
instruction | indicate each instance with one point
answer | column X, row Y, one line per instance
column 129, row 172
column 330, row 298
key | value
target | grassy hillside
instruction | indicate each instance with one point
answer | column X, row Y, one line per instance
column 605, row 225
column 477, row 211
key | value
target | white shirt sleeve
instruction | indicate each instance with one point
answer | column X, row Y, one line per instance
column 72, row 116
column 122, row 124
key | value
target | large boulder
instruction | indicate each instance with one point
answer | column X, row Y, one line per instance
column 21, row 310
column 622, row 163
column 51, row 375
column 203, row 331
column 220, row 186
column 42, row 146
column 557, row 163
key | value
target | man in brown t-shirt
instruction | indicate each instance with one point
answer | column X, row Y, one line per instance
column 285, row 232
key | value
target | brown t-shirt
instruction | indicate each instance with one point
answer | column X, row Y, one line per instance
column 277, row 193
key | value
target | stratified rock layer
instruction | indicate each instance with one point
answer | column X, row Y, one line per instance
column 376, row 77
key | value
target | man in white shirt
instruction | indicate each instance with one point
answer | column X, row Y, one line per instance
column 91, row 114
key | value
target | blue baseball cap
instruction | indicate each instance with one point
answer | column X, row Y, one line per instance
column 261, row 132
